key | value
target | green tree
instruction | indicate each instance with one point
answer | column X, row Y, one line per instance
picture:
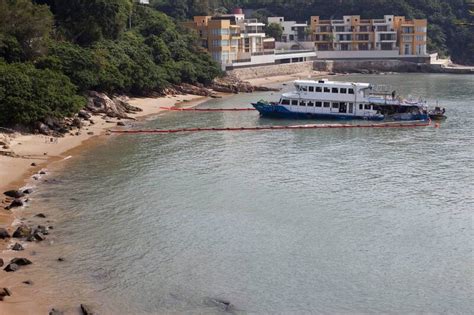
column 85, row 22
column 24, row 25
column 28, row 94
column 274, row 30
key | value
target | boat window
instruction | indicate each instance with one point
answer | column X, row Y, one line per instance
column 335, row 90
column 351, row 91
column 304, row 88
column 335, row 105
column 361, row 106
column 326, row 104
column 343, row 91
column 327, row 90
column 318, row 104
column 367, row 106
column 311, row 89
column 319, row 89
column 310, row 103
column 302, row 103
column 294, row 102
column 285, row 102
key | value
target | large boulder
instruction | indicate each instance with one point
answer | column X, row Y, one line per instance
column 14, row 193
column 76, row 122
column 103, row 104
column 84, row 114
column 23, row 231
column 4, row 234
column 21, row 261
column 43, row 128
column 11, row 267
column 17, row 247
column 15, row 204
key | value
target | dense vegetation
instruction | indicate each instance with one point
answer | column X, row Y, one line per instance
column 53, row 51
column 451, row 22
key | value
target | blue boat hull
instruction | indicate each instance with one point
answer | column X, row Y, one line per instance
column 277, row 111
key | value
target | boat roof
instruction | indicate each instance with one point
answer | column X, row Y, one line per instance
column 335, row 83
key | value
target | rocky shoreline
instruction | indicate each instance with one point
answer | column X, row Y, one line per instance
column 19, row 234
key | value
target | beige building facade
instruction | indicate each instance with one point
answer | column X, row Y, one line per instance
column 391, row 34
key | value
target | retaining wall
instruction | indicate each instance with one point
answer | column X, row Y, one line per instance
column 272, row 70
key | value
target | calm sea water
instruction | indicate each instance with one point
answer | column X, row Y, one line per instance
column 309, row 221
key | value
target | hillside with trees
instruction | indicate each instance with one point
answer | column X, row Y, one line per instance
column 53, row 51
column 450, row 30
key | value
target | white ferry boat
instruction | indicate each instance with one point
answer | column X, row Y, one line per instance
column 324, row 99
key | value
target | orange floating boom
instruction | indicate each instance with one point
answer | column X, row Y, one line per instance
column 208, row 109
column 411, row 124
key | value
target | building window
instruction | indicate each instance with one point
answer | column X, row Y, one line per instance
column 407, row 49
column 421, row 29
column 363, row 46
column 351, row 91
column 318, row 104
column 345, row 47
column 420, row 38
column 343, row 91
column 340, row 29
column 386, row 46
column 407, row 38
column 335, row 90
column 363, row 28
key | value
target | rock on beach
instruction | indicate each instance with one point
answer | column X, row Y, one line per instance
column 14, row 193
column 4, row 234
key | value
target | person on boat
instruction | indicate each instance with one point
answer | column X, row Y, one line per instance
column 443, row 111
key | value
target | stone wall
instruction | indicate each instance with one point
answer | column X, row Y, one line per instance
column 344, row 66
column 388, row 65
column 271, row 70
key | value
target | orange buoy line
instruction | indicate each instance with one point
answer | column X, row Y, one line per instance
column 410, row 124
column 208, row 109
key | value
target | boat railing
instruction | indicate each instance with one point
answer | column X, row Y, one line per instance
column 381, row 89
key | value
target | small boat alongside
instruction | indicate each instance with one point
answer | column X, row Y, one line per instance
column 324, row 99
column 437, row 113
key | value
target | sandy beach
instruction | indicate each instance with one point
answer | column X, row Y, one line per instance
column 46, row 152
column 43, row 151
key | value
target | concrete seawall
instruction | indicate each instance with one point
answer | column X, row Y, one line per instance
column 390, row 65
column 272, row 70
column 345, row 66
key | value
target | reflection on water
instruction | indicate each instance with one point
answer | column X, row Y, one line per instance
column 327, row 221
